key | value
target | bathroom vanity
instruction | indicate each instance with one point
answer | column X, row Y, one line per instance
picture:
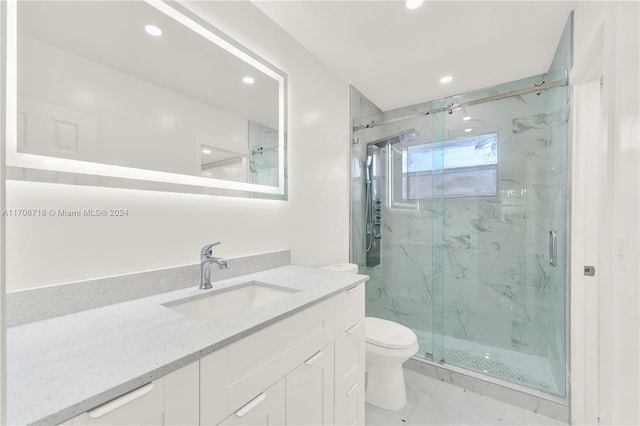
column 297, row 358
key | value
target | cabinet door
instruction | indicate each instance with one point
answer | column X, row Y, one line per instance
column 268, row 408
column 310, row 390
column 182, row 396
column 349, row 376
column 214, row 380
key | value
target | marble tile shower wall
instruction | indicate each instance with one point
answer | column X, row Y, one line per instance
column 499, row 288
column 399, row 288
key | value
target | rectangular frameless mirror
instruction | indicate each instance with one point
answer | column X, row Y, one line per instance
column 137, row 92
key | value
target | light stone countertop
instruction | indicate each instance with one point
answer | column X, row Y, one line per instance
column 61, row 367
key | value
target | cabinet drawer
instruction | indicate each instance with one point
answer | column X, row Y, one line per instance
column 349, row 407
column 349, row 376
column 273, row 369
column 267, row 408
column 349, row 308
column 350, row 349
column 142, row 406
column 252, row 352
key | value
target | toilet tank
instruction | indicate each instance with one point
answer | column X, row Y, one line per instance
column 342, row 267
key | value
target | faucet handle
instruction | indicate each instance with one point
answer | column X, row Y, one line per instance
column 207, row 250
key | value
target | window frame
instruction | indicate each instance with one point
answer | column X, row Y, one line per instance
column 399, row 185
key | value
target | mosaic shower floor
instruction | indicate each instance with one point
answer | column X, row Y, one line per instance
column 524, row 369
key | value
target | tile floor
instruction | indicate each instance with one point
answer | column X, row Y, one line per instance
column 432, row 402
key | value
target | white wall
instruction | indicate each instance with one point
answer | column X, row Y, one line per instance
column 622, row 68
column 163, row 229
column 606, row 186
column 139, row 124
column 3, row 383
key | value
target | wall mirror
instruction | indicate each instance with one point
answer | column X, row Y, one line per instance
column 140, row 94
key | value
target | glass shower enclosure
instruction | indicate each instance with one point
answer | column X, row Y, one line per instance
column 460, row 218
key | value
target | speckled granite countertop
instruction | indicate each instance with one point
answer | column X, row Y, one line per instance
column 61, row 367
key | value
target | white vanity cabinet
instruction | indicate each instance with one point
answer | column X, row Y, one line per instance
column 169, row 400
column 235, row 375
column 317, row 353
column 307, row 369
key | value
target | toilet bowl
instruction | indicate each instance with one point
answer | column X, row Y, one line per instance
column 388, row 345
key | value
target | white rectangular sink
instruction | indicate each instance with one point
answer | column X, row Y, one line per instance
column 221, row 304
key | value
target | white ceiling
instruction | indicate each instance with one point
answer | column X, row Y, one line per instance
column 112, row 33
column 396, row 56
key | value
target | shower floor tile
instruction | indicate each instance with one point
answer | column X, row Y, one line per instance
column 432, row 402
column 524, row 369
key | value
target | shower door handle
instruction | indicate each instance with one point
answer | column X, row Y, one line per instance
column 553, row 248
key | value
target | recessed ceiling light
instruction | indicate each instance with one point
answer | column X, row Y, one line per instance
column 248, row 80
column 414, row 4
column 206, row 151
column 467, row 118
column 468, row 130
column 153, row 30
column 446, row 79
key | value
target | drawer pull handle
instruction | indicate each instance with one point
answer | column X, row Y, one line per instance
column 251, row 405
column 353, row 329
column 314, row 358
column 352, row 289
column 353, row 388
column 121, row 401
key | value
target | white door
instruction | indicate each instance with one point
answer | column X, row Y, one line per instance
column 55, row 131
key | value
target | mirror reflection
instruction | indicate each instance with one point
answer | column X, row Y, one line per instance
column 121, row 83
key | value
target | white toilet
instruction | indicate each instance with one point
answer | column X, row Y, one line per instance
column 388, row 345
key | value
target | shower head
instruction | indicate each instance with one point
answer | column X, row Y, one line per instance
column 368, row 171
column 369, row 160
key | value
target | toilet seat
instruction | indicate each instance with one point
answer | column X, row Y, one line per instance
column 388, row 334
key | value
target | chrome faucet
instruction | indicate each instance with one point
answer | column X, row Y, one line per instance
column 206, row 259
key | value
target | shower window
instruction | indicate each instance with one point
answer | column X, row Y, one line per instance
column 469, row 167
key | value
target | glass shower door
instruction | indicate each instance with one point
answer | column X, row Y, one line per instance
column 503, row 235
column 455, row 226
column 396, row 233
